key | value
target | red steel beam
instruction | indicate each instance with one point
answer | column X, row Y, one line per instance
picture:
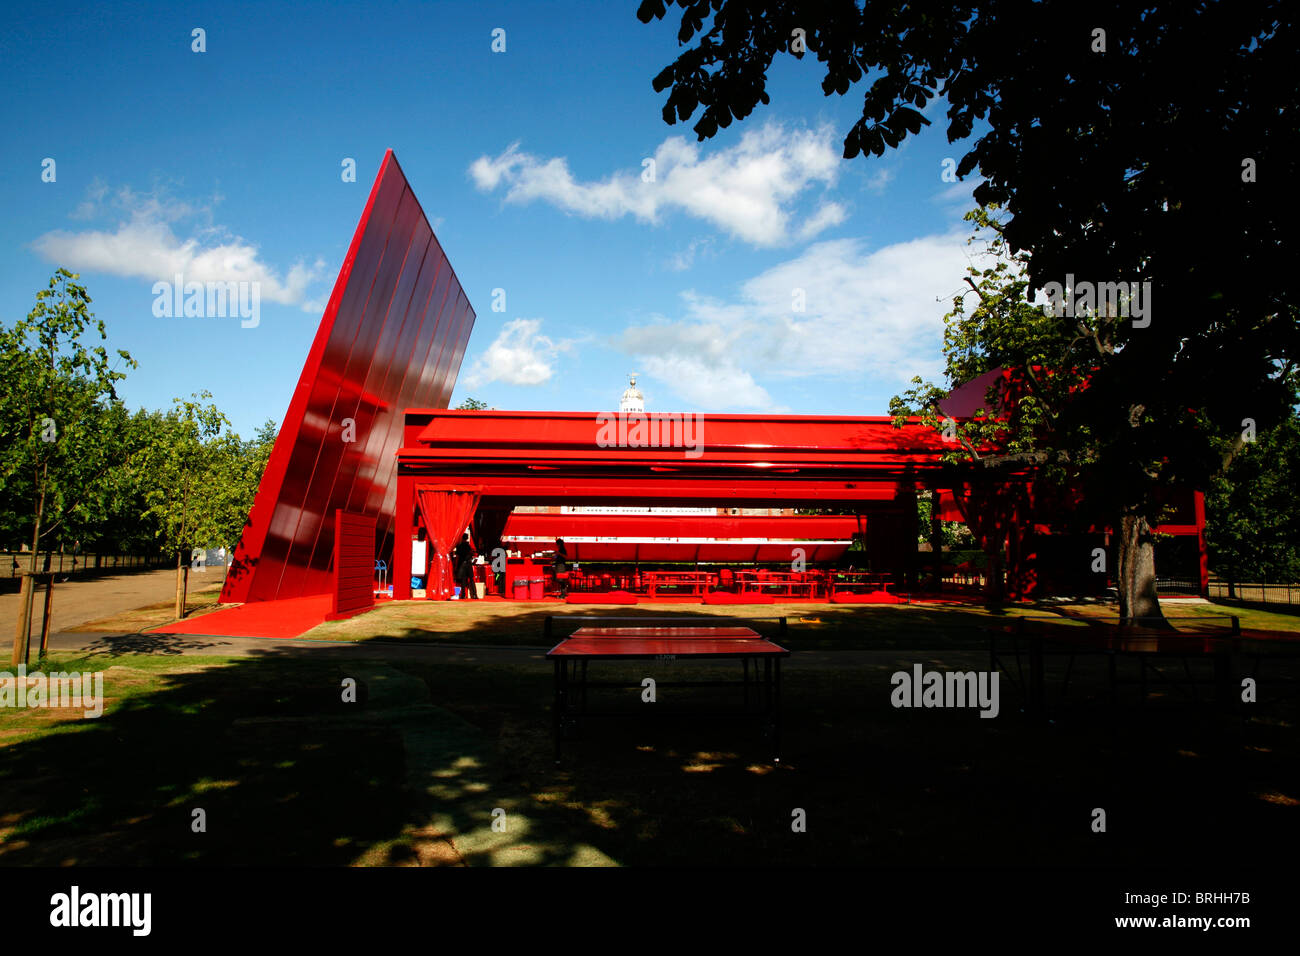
column 817, row 527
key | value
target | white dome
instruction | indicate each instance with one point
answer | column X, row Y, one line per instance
column 632, row 400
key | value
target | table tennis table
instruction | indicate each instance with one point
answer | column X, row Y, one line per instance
column 1147, row 648
column 711, row 639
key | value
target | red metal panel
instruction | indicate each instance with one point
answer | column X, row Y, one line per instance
column 757, row 442
column 543, row 488
column 354, row 564
column 432, row 333
column 541, row 525
column 338, row 398
column 370, row 359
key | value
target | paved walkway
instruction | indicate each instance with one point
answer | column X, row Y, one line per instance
column 88, row 599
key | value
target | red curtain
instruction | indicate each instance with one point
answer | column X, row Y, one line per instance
column 447, row 513
column 951, row 508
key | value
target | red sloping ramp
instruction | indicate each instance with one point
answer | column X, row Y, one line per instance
column 288, row 618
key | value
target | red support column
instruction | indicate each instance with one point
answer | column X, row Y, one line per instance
column 1022, row 556
column 936, row 540
column 403, row 531
column 1204, row 562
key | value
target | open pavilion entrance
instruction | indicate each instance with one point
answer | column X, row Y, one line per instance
column 472, row 468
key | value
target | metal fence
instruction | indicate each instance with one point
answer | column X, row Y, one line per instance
column 1262, row 593
column 14, row 563
column 1178, row 585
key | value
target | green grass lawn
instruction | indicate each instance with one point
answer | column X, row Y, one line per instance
column 811, row 626
column 413, row 771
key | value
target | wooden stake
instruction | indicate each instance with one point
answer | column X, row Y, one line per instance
column 22, row 633
column 45, row 619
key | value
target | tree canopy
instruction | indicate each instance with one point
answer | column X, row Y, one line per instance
column 1147, row 150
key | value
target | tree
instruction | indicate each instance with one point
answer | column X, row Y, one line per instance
column 117, row 517
column 237, row 468
column 471, row 405
column 1043, row 416
column 56, row 390
column 1115, row 135
column 1252, row 513
column 183, row 481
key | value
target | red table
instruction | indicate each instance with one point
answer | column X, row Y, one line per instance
column 853, row 579
column 689, row 642
column 696, row 581
column 781, row 583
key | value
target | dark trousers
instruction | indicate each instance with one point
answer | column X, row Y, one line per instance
column 465, row 581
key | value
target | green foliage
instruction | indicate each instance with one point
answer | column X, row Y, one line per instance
column 94, row 476
column 1003, row 330
column 1112, row 156
column 1062, row 408
column 59, row 413
column 185, row 463
column 471, row 405
column 236, row 473
column 1253, row 513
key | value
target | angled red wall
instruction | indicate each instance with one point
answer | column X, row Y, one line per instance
column 392, row 337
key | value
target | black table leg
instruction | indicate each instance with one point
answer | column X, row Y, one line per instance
column 558, row 707
column 1037, row 694
column 776, row 713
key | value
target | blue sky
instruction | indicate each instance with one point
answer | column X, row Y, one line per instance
column 529, row 164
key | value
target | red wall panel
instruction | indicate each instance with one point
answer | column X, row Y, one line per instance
column 392, row 336
column 354, row 564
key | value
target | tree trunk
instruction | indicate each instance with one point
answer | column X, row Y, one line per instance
column 182, row 574
column 1138, row 602
column 27, row 595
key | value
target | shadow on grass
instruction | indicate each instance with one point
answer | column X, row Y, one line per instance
column 416, row 769
column 809, row 627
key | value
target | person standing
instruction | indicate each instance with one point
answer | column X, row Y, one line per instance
column 561, row 567
column 464, row 568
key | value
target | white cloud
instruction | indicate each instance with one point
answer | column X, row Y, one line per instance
column 868, row 316
column 747, row 190
column 683, row 260
column 519, row 355
column 879, row 179
column 959, row 193
column 831, row 214
column 145, row 246
column 89, row 207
